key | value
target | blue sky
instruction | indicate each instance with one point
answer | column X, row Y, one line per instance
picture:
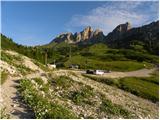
column 34, row 23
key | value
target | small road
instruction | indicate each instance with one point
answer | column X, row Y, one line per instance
column 137, row 73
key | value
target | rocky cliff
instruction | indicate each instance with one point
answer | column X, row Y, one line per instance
column 85, row 36
column 123, row 36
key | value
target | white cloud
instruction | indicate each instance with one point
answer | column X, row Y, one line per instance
column 111, row 14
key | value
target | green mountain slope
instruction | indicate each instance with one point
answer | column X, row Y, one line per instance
column 120, row 50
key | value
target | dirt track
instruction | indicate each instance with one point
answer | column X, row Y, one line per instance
column 137, row 73
column 11, row 100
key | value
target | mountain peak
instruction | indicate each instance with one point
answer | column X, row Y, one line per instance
column 86, row 35
column 123, row 27
column 88, row 28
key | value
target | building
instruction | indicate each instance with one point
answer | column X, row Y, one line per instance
column 51, row 66
column 74, row 66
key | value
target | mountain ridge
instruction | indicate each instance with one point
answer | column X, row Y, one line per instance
column 87, row 34
column 123, row 36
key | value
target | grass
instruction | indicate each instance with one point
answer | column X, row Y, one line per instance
column 146, row 87
column 4, row 76
column 10, row 58
column 63, row 81
column 82, row 96
column 140, row 87
column 42, row 66
column 16, row 61
column 46, row 106
column 107, row 107
column 86, row 63
column 99, row 56
column 154, row 78
column 3, row 114
column 23, row 69
column 43, row 108
column 39, row 81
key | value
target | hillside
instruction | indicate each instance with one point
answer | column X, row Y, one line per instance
column 31, row 90
column 123, row 44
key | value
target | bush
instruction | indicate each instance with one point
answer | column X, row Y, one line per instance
column 63, row 81
column 107, row 107
column 4, row 76
column 42, row 107
column 3, row 114
column 81, row 96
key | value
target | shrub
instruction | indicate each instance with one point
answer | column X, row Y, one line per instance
column 42, row 107
column 4, row 76
column 108, row 107
column 82, row 96
column 3, row 114
column 63, row 81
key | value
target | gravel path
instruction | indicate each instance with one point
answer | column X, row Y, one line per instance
column 11, row 100
column 137, row 73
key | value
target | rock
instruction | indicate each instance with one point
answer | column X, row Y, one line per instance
column 86, row 35
column 77, row 37
column 1, row 99
column 123, row 36
column 123, row 27
column 66, row 37
column 14, row 105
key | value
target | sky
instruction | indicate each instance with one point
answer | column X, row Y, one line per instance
column 39, row 22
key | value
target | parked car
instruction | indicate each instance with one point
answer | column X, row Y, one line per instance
column 107, row 71
column 90, row 72
column 98, row 72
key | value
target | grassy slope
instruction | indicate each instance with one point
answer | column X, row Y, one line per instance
column 99, row 56
column 80, row 96
column 146, row 87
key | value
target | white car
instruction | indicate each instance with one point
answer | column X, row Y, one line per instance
column 98, row 72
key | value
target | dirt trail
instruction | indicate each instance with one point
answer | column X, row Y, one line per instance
column 141, row 107
column 11, row 100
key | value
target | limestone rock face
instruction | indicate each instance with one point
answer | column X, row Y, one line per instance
column 119, row 31
column 122, row 28
column 97, row 36
column 78, row 37
column 67, row 37
column 87, row 35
